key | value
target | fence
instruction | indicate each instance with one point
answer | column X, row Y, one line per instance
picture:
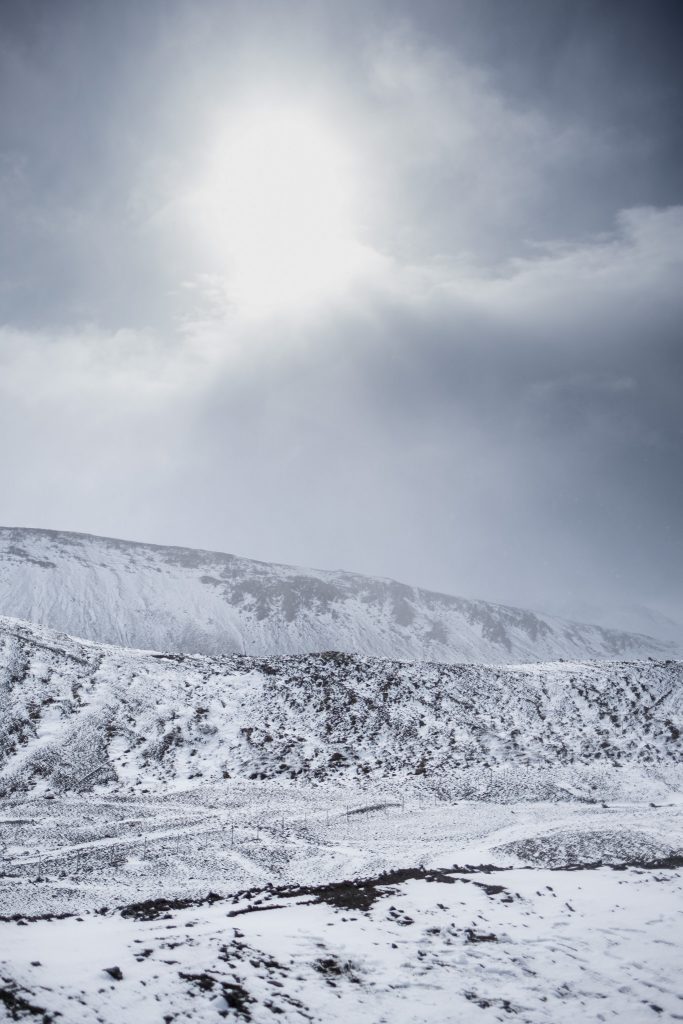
column 79, row 860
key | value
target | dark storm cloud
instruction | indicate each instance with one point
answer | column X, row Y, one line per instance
column 495, row 412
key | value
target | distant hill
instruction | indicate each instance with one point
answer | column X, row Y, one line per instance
column 181, row 599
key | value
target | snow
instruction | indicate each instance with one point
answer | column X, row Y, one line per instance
column 128, row 776
column 79, row 715
column 179, row 599
column 540, row 946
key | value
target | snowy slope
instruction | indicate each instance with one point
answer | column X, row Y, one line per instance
column 179, row 599
column 75, row 714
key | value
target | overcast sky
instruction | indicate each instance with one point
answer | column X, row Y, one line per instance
column 391, row 287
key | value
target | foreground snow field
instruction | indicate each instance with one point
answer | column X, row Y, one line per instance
column 530, row 945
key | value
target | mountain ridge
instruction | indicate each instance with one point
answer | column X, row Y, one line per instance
column 152, row 596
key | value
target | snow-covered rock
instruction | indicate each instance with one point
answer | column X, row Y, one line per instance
column 75, row 714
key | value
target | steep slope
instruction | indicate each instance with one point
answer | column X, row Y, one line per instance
column 76, row 714
column 179, row 599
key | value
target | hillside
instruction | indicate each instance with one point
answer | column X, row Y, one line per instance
column 75, row 714
column 315, row 836
column 180, row 599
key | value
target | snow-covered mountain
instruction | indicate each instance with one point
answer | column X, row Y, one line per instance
column 181, row 599
column 74, row 714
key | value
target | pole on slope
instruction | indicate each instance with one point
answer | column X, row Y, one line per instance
column 232, row 835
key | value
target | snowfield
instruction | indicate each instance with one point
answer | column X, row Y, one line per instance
column 546, row 946
column 328, row 837
column 180, row 599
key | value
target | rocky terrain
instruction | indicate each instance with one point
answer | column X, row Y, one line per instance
column 75, row 715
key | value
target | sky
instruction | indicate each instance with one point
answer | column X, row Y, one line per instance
column 379, row 286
